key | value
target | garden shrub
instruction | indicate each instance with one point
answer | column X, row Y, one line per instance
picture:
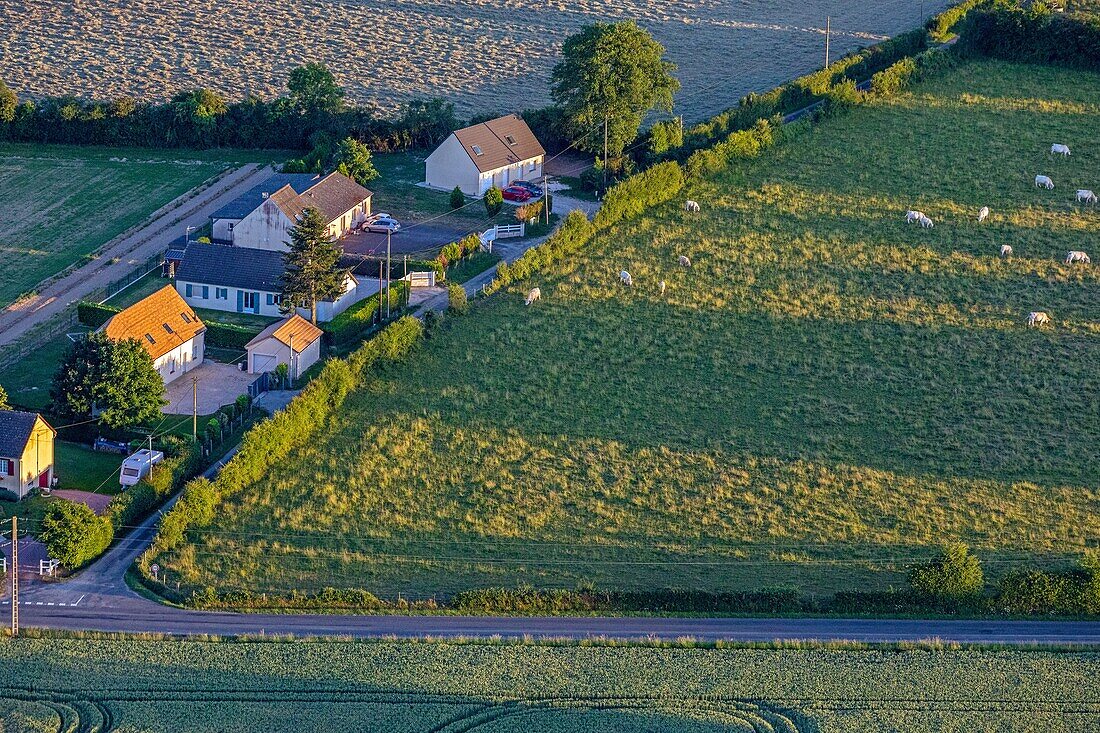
column 228, row 335
column 639, row 192
column 458, row 199
column 94, row 315
column 6, row 495
column 73, row 534
column 457, row 303
column 953, row 575
column 494, row 201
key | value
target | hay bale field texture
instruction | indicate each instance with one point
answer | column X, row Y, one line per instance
column 484, row 55
column 825, row 396
column 417, row 687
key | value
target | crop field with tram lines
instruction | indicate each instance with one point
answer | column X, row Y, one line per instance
column 826, row 396
column 116, row 686
column 483, row 55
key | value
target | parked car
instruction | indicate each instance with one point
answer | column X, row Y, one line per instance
column 384, row 224
column 533, row 189
column 515, row 193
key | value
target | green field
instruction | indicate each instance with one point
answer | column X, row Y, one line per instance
column 62, row 202
column 416, row 687
column 827, row 395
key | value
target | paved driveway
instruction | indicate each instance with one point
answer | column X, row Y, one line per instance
column 219, row 384
column 417, row 239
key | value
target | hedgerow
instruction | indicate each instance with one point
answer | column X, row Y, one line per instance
column 355, row 322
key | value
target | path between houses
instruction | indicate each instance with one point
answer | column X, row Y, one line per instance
column 167, row 225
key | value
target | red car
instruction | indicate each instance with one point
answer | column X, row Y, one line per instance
column 515, row 193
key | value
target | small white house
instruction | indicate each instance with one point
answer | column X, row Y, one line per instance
column 295, row 342
column 488, row 154
column 242, row 280
column 262, row 217
column 168, row 329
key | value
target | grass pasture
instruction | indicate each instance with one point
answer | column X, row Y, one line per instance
column 63, row 202
column 827, row 395
column 411, row 687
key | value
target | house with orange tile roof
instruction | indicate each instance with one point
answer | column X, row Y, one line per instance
column 294, row 341
column 484, row 155
column 168, row 329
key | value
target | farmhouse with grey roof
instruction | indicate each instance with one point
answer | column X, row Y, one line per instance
column 243, row 280
column 262, row 217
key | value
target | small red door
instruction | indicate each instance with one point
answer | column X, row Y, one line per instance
column 44, row 480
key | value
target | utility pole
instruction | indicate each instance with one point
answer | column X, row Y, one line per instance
column 405, row 266
column 293, row 363
column 389, row 274
column 194, row 410
column 605, row 153
column 14, row 576
column 379, row 291
column 546, row 195
column 828, row 32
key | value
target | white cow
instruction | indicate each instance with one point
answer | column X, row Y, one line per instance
column 1037, row 318
column 912, row 216
column 684, row 261
column 1044, row 182
column 532, row 296
column 983, row 214
column 661, row 286
column 1077, row 256
column 926, row 222
column 1006, row 251
column 692, row 206
column 1083, row 194
column 625, row 278
column 1059, row 149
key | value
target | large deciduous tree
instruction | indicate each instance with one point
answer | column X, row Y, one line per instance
column 612, row 70
column 313, row 90
column 115, row 378
column 353, row 159
column 8, row 103
column 312, row 274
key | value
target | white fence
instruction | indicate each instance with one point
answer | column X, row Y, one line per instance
column 501, row 231
column 420, row 279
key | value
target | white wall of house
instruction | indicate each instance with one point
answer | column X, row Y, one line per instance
column 266, row 227
column 181, row 359
column 265, row 303
column 527, row 170
column 350, row 219
column 222, row 229
column 271, row 352
column 449, row 165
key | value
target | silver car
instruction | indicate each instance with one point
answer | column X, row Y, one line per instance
column 384, row 224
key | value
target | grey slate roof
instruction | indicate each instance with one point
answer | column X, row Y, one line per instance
column 15, row 431
column 234, row 267
column 244, row 204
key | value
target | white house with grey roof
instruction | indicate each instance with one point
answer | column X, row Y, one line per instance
column 245, row 280
column 484, row 155
column 262, row 217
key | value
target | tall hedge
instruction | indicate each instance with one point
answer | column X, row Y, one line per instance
column 73, row 534
column 1033, row 36
column 639, row 192
column 358, row 319
column 94, row 315
column 941, row 26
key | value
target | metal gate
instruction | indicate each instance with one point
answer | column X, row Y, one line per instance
column 260, row 385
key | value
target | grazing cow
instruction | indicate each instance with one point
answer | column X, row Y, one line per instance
column 661, row 286
column 1059, row 149
column 1044, row 182
column 1006, row 251
column 1037, row 318
column 532, row 296
column 1083, row 194
column 625, row 278
column 1077, row 256
column 925, row 222
column 912, row 216
column 692, row 206
column 684, row 261
column 983, row 214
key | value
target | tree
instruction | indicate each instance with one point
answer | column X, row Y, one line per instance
column 74, row 534
column 953, row 575
column 615, row 70
column 494, row 201
column 457, row 303
column 115, row 378
column 313, row 90
column 8, row 103
column 429, row 122
column 353, row 159
column 458, row 199
column 311, row 273
column 4, row 404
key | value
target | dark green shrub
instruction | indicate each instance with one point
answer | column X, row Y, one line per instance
column 94, row 315
column 228, row 335
column 494, row 201
column 639, row 192
column 359, row 319
column 458, row 199
column 6, row 495
column 243, row 403
column 431, row 323
column 953, row 575
column 74, row 534
column 457, row 303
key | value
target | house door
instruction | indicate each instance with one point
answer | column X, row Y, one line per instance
column 44, row 479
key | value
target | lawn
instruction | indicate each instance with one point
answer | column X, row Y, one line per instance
column 417, row 687
column 63, row 202
column 396, row 193
column 81, row 468
column 472, row 266
column 27, row 381
column 827, row 395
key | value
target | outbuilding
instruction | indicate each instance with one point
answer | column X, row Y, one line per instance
column 26, row 452
column 294, row 341
column 484, row 155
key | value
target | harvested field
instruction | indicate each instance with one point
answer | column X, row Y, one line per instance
column 826, row 396
column 416, row 687
column 482, row 54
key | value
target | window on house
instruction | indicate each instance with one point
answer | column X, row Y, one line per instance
column 189, row 290
column 150, row 339
column 230, row 226
column 532, row 165
column 477, row 149
column 511, row 140
column 186, row 318
column 6, row 467
column 205, row 292
column 221, row 293
column 167, row 328
column 270, row 299
column 251, row 301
